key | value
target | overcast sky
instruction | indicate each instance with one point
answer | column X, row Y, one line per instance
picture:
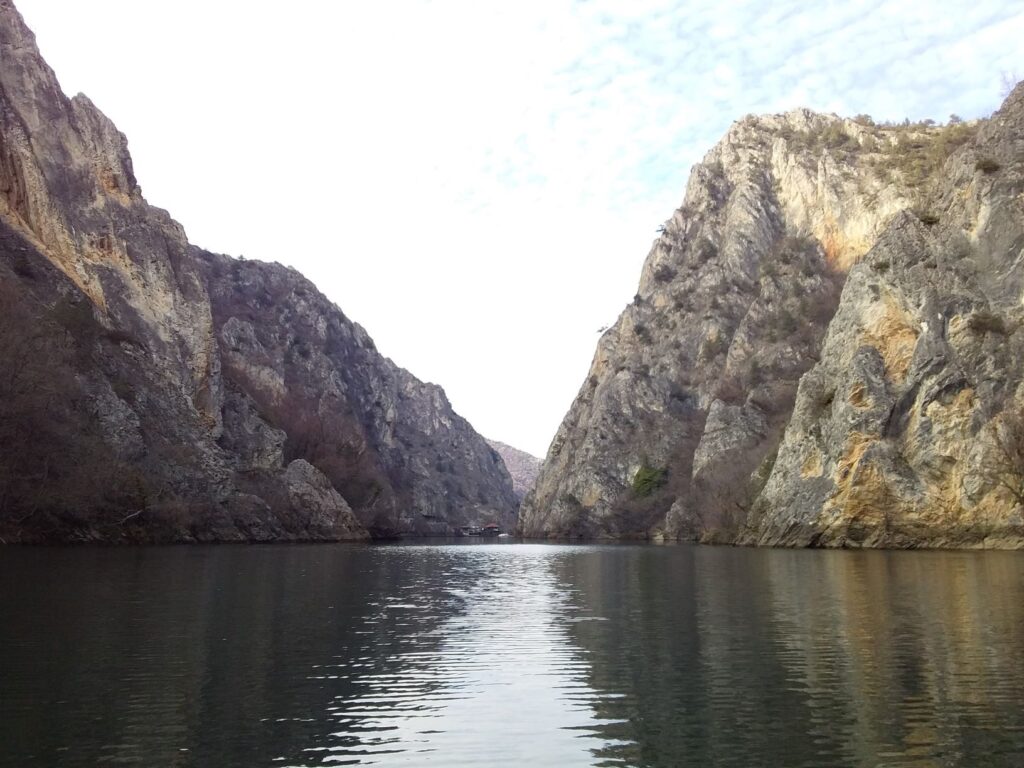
column 478, row 183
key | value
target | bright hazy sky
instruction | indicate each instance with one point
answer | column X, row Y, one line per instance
column 477, row 183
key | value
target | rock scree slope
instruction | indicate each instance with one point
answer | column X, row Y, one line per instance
column 825, row 349
column 152, row 391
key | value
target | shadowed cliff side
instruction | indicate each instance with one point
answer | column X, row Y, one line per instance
column 144, row 400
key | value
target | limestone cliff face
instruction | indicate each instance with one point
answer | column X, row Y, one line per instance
column 390, row 443
column 760, row 322
column 908, row 432
column 158, row 392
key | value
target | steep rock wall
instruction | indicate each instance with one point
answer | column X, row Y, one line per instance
column 675, row 432
column 908, row 431
column 158, row 392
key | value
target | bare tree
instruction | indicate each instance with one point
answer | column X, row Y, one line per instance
column 53, row 458
column 1009, row 82
column 29, row 390
column 1005, row 467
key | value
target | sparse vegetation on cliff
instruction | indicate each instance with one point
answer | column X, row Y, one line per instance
column 54, row 463
column 647, row 480
column 987, row 165
column 916, row 151
column 1004, row 467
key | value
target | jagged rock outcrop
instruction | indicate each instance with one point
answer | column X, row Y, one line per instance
column 795, row 308
column 391, row 444
column 909, row 430
column 154, row 391
column 522, row 466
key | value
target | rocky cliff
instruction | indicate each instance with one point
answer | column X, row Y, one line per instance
column 824, row 349
column 154, row 391
column 521, row 466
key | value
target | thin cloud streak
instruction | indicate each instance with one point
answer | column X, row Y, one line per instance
column 478, row 184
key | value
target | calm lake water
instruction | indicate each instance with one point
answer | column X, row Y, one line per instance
column 510, row 654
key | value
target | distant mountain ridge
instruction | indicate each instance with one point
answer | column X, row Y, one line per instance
column 521, row 465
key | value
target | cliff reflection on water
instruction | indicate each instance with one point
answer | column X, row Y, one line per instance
column 496, row 654
column 779, row 657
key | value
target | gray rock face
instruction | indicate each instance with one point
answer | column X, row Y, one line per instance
column 391, row 444
column 740, row 398
column 165, row 393
column 309, row 490
column 522, row 466
column 899, row 435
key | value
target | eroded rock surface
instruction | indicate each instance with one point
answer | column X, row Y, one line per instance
column 825, row 337
column 155, row 391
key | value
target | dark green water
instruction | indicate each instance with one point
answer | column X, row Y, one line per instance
column 524, row 655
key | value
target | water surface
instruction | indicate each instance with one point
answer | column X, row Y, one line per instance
column 510, row 654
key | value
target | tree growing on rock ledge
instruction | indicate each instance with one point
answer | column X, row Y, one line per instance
column 1005, row 468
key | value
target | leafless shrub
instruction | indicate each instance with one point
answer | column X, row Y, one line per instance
column 987, row 165
column 987, row 322
column 1005, row 465
column 664, row 274
column 53, row 459
column 1008, row 81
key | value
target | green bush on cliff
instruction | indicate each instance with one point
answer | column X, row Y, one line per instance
column 647, row 480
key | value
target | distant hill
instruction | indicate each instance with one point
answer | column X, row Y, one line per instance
column 522, row 466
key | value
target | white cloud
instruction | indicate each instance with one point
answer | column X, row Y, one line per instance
column 478, row 183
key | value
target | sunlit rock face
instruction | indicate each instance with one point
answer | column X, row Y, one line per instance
column 824, row 344
column 160, row 392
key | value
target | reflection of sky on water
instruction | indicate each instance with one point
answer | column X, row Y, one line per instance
column 499, row 677
column 489, row 654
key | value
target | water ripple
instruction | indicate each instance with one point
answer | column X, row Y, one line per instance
column 501, row 670
column 494, row 654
